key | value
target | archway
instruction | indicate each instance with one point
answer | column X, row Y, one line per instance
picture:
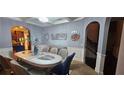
column 91, row 43
column 20, row 38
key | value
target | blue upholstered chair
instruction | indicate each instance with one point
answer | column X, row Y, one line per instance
column 63, row 68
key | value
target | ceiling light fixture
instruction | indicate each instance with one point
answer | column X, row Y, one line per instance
column 43, row 19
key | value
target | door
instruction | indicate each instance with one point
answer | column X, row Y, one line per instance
column 92, row 35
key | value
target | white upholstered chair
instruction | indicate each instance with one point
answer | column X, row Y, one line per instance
column 63, row 53
column 54, row 50
column 43, row 48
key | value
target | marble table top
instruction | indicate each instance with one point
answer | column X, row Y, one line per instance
column 44, row 59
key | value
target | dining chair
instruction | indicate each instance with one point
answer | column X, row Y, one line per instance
column 63, row 68
column 45, row 49
column 10, row 69
column 54, row 50
column 63, row 52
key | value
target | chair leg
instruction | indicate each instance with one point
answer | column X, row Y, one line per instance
column 69, row 72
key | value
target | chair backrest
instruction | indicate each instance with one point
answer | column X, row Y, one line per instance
column 6, row 52
column 67, row 63
column 54, row 50
column 10, row 69
column 45, row 49
column 5, row 64
column 63, row 53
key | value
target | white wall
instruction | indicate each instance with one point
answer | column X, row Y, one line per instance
column 5, row 31
column 80, row 26
column 120, row 63
column 79, row 53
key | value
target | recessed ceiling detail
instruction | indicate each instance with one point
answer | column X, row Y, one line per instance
column 46, row 21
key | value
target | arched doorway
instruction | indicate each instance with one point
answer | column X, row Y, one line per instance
column 91, row 44
column 20, row 38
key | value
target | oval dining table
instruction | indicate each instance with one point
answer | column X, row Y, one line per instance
column 43, row 59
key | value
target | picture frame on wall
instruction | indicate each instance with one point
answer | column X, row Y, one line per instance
column 59, row 36
column 75, row 37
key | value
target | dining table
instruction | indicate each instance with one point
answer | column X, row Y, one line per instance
column 42, row 59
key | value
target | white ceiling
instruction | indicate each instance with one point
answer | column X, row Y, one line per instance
column 52, row 20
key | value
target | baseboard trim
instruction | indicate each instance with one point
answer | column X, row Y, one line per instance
column 100, row 63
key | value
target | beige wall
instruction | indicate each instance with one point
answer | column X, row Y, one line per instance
column 120, row 63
